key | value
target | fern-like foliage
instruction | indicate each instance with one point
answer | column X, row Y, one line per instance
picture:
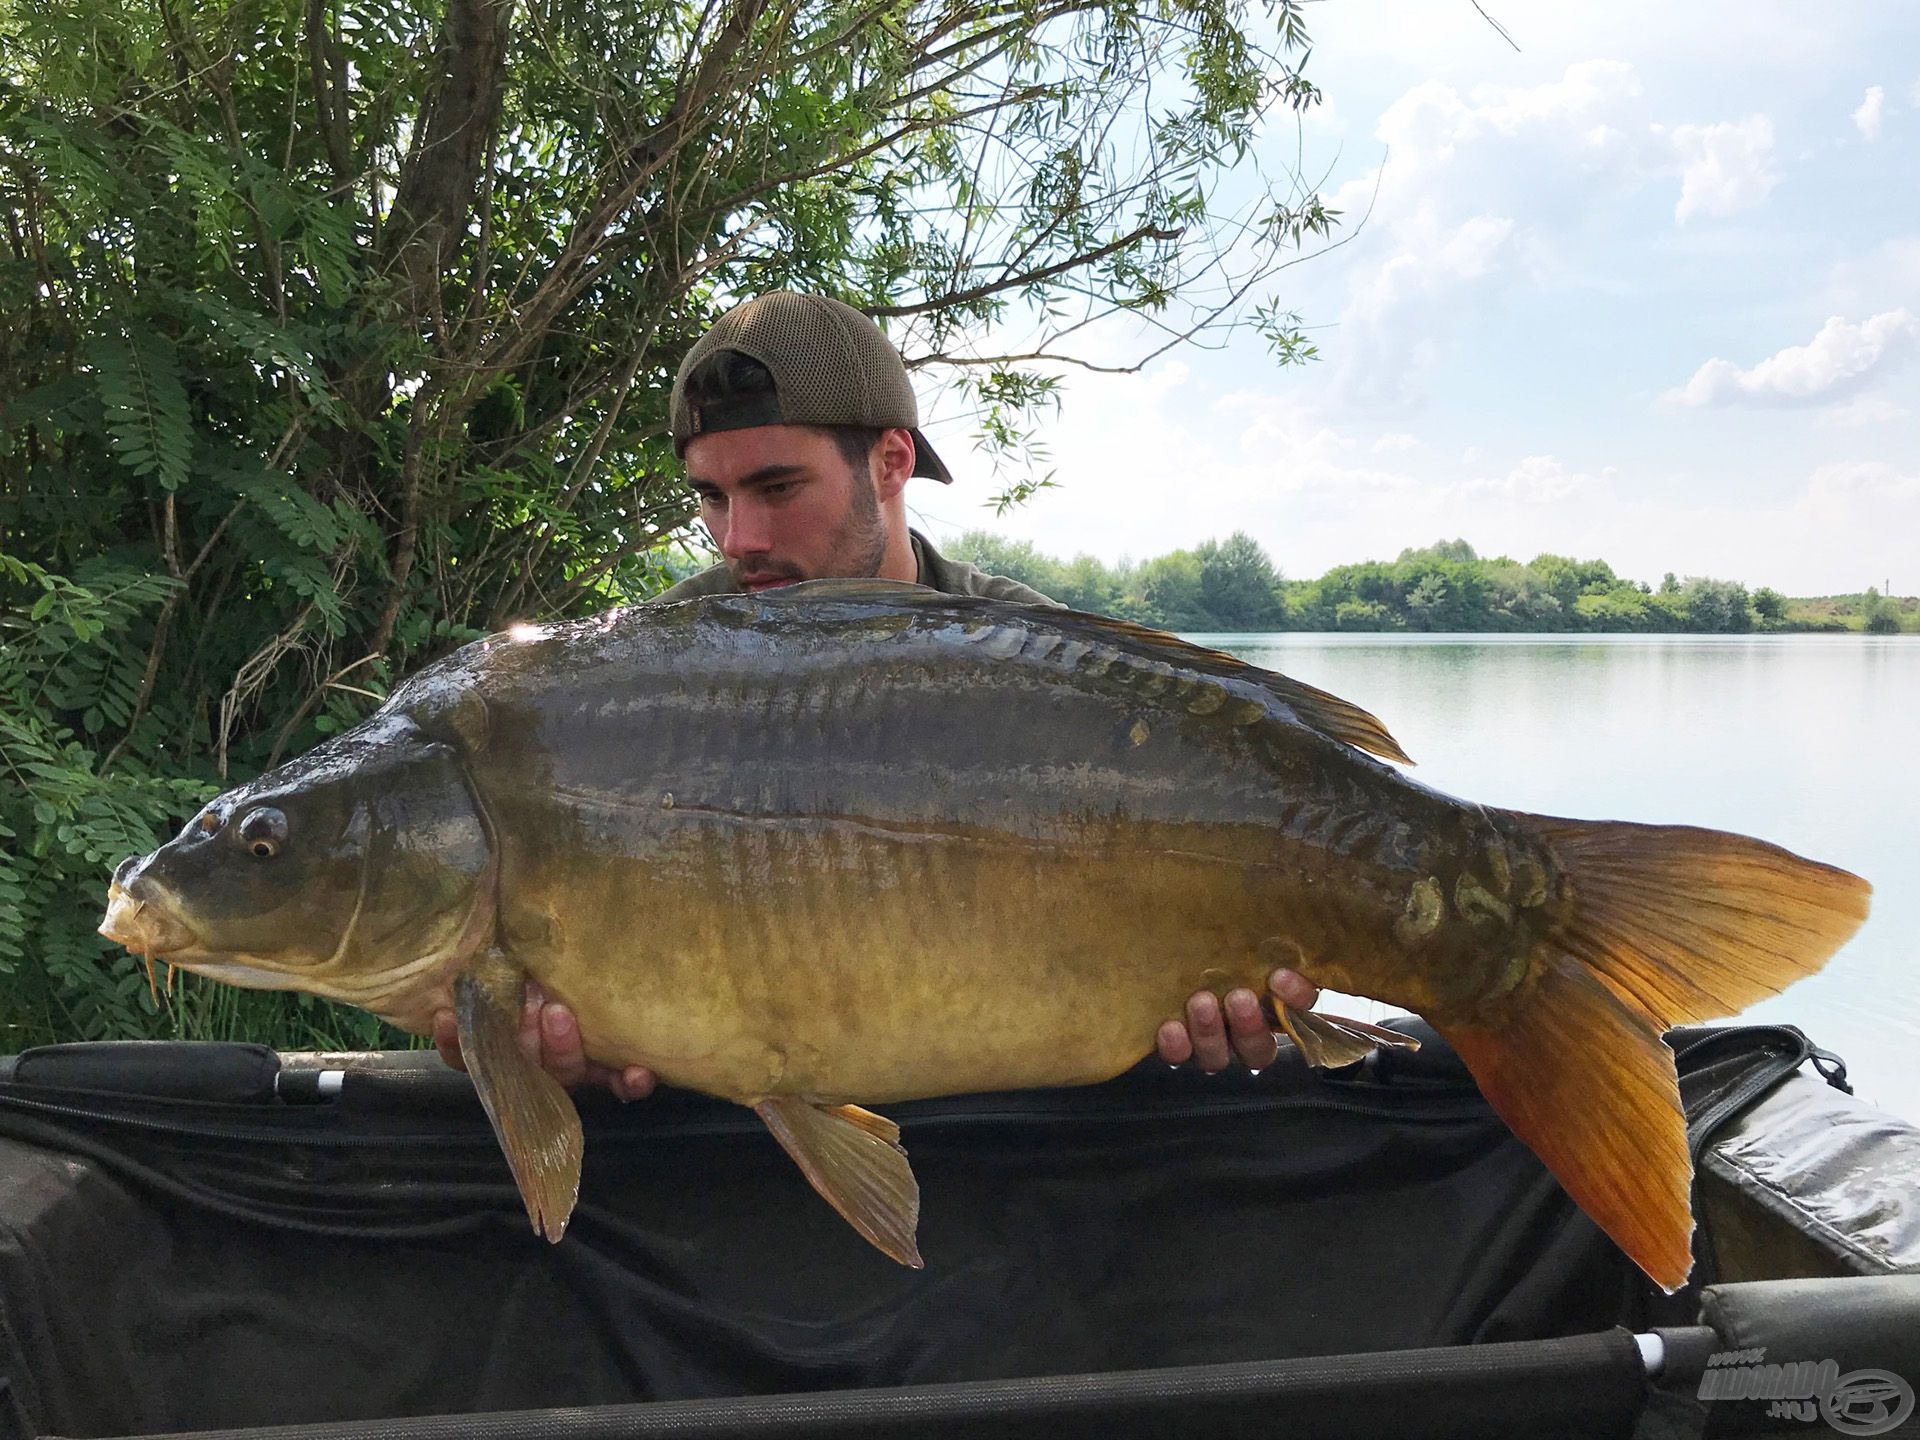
column 334, row 336
column 146, row 405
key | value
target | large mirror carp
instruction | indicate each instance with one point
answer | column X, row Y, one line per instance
column 852, row 842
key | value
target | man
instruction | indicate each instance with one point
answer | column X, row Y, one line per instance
column 800, row 431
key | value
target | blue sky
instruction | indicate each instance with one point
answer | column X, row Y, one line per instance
column 1647, row 290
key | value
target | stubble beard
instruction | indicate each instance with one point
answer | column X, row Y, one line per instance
column 858, row 551
column 862, row 546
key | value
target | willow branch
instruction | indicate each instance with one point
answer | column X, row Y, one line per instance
column 1030, row 277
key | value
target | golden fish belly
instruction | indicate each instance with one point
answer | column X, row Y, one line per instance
column 851, row 961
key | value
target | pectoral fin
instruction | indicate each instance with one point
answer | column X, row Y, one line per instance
column 873, row 1124
column 853, row 1158
column 1329, row 1040
column 532, row 1116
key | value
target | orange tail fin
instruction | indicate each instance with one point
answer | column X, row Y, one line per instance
column 1664, row 924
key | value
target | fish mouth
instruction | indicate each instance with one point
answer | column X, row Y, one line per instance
column 147, row 927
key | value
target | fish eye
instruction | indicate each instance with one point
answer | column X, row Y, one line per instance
column 264, row 831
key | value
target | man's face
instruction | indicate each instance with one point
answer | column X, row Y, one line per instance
column 782, row 504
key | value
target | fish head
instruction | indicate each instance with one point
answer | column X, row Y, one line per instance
column 356, row 872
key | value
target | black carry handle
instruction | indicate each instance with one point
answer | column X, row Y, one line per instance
column 232, row 1073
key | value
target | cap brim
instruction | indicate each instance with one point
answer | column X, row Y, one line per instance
column 925, row 462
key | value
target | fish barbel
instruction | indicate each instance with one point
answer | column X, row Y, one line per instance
column 851, row 842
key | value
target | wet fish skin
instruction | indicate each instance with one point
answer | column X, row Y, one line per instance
column 850, row 842
column 875, row 791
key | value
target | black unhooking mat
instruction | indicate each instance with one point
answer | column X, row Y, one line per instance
column 174, row 1263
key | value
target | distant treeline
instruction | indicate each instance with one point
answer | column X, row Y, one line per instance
column 1233, row 584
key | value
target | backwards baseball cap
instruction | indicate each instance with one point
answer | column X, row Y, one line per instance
column 830, row 366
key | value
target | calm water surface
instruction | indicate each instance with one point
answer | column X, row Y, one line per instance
column 1804, row 740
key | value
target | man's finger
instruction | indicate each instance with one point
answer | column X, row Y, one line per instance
column 446, row 1039
column 1173, row 1044
column 636, row 1082
column 1247, row 1029
column 1293, row 989
column 1209, row 1031
column 529, row 1036
column 561, row 1054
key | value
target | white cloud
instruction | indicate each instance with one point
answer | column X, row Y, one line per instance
column 1725, row 167
column 1536, row 480
column 1837, row 359
column 1397, row 440
column 1405, row 301
column 1441, row 228
column 1872, row 111
column 1493, row 192
column 1888, row 274
column 1861, row 410
column 1846, row 481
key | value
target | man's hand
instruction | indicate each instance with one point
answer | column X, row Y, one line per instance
column 1205, row 1038
column 551, row 1038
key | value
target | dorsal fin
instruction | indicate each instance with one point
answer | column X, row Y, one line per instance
column 1338, row 719
column 1330, row 715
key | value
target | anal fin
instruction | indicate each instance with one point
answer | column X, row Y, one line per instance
column 1328, row 1041
column 533, row 1118
column 854, row 1159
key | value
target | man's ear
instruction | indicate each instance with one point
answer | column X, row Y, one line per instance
column 892, row 462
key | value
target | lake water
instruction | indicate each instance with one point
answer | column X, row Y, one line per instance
column 1810, row 741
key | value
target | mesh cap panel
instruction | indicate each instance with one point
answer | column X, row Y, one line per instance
column 830, row 366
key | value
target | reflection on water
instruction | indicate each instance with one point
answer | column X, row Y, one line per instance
column 1804, row 740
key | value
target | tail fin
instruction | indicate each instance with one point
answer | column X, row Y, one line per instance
column 1659, row 925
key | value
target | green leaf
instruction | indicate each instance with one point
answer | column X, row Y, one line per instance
column 307, row 522
column 148, row 416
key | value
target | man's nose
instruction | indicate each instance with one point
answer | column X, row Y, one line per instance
column 749, row 530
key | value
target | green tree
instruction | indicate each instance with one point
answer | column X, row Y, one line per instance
column 1427, row 602
column 1533, row 605
column 333, row 338
column 1239, row 586
column 1881, row 618
column 1622, row 609
column 1716, row 606
column 1363, row 615
column 1443, row 587
column 1458, row 551
column 1085, row 583
column 1172, row 588
column 1015, row 559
